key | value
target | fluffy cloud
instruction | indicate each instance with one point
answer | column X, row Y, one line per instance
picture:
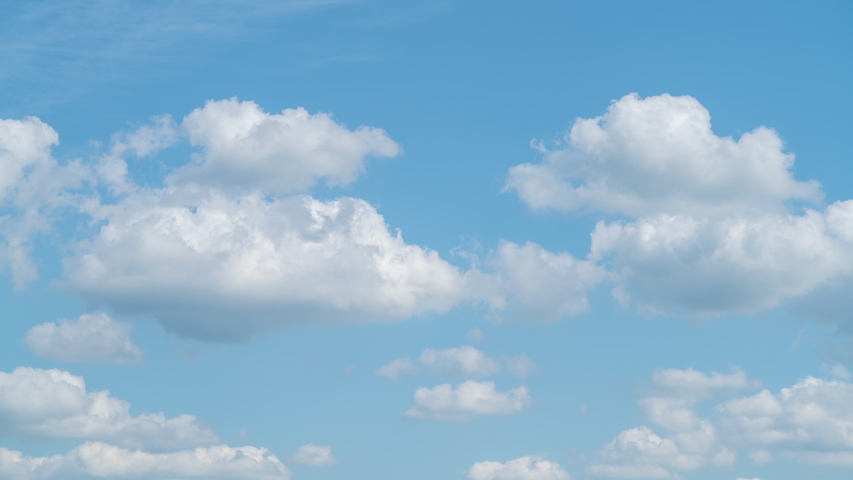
column 32, row 185
column 713, row 266
column 212, row 266
column 466, row 361
column 659, row 154
column 693, row 443
column 530, row 283
column 246, row 148
column 640, row 453
column 93, row 337
column 316, row 455
column 99, row 460
column 45, row 404
column 466, row 401
column 524, row 468
column 710, row 226
column 811, row 421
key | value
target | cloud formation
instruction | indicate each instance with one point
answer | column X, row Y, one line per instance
column 315, row 455
column 466, row 401
column 463, row 361
column 711, row 225
column 659, row 154
column 54, row 404
column 245, row 148
column 224, row 268
column 94, row 337
column 93, row 460
column 524, row 468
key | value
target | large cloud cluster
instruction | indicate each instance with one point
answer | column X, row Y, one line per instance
column 710, row 224
column 38, row 404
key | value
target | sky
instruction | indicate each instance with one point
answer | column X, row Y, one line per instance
column 366, row 239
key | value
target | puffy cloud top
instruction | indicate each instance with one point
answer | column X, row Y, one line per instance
column 466, row 401
column 93, row 337
column 524, row 468
column 659, row 154
column 245, row 148
column 36, row 403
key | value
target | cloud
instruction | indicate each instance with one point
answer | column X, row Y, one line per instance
column 811, row 421
column 211, row 266
column 316, row 455
column 54, row 404
column 32, row 186
column 529, row 283
column 93, row 337
column 464, row 361
column 466, row 401
column 476, row 335
column 397, row 369
column 99, row 460
column 245, row 148
column 524, row 468
column 658, row 154
column 711, row 225
column 740, row 264
column 693, row 443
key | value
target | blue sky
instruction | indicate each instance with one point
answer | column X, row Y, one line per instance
column 422, row 240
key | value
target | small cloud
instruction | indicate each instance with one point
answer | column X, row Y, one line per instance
column 94, row 337
column 315, row 455
column 760, row 457
column 397, row 369
column 582, row 408
column 841, row 371
column 466, row 401
column 476, row 335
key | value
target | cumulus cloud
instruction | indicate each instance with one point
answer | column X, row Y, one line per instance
column 692, row 443
column 32, row 186
column 529, row 283
column 710, row 223
column 99, row 460
column 811, row 421
column 466, row 401
column 524, row 468
column 94, row 337
column 316, row 455
column 714, row 266
column 659, row 154
column 465, row 361
column 246, row 148
column 218, row 267
column 54, row 404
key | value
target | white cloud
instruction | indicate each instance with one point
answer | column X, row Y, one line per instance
column 476, row 335
column 144, row 141
column 640, row 453
column 713, row 266
column 211, row 266
column 32, row 186
column 658, row 154
column 466, row 401
column 524, row 468
column 316, row 455
column 529, row 283
column 99, row 460
column 247, row 148
column 811, row 421
column 711, row 226
column 463, row 361
column 93, row 337
column 399, row 368
column 693, row 442
column 45, row 404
